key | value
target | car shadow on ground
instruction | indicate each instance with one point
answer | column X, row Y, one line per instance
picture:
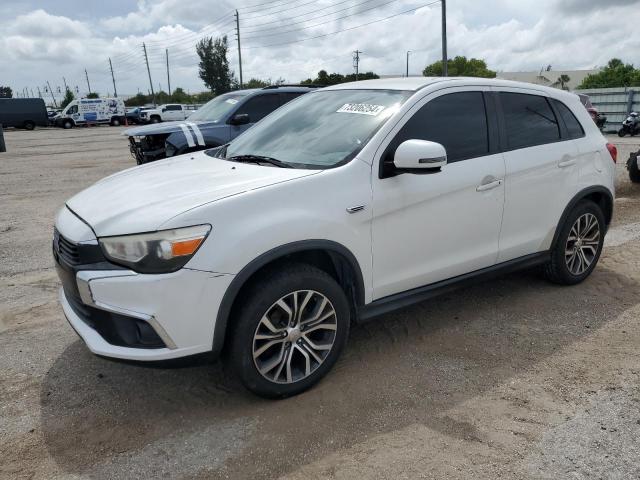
column 101, row 417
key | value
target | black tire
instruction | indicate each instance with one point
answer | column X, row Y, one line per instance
column 115, row 122
column 67, row 124
column 558, row 269
column 155, row 119
column 622, row 132
column 258, row 301
column 632, row 166
column 29, row 125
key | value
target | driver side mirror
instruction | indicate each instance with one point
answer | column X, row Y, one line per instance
column 240, row 119
column 414, row 155
column 164, row 110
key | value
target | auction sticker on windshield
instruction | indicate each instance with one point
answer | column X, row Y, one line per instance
column 361, row 108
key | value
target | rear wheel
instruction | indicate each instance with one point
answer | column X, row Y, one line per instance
column 578, row 246
column 115, row 122
column 290, row 330
column 29, row 125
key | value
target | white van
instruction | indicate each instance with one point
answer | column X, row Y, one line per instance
column 92, row 110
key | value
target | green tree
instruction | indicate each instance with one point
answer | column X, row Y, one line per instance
column 6, row 92
column 93, row 95
column 615, row 74
column 460, row 67
column 562, row 82
column 68, row 98
column 214, row 66
column 257, row 83
column 180, row 96
column 323, row 78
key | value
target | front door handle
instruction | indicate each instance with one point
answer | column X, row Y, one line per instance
column 566, row 163
column 489, row 184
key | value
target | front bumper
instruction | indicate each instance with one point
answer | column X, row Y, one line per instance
column 180, row 307
column 122, row 314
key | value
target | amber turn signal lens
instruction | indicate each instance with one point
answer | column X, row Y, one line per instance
column 185, row 247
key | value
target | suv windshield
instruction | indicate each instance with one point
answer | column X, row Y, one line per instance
column 217, row 109
column 322, row 129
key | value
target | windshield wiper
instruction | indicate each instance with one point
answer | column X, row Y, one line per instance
column 259, row 159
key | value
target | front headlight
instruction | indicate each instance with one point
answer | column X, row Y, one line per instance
column 158, row 252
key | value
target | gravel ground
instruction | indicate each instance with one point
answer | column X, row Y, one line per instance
column 515, row 378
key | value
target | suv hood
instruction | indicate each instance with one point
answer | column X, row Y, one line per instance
column 158, row 128
column 143, row 198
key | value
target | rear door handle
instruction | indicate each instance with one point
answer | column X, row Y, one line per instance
column 489, row 185
column 566, row 163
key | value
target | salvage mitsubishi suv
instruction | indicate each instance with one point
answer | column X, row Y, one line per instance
column 344, row 204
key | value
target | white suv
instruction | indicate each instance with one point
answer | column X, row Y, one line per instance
column 342, row 205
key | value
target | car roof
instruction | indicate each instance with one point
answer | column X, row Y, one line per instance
column 418, row 83
column 277, row 89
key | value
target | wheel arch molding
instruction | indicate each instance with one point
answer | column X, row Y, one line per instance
column 343, row 261
column 600, row 195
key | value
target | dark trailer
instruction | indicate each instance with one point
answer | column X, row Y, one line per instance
column 23, row 112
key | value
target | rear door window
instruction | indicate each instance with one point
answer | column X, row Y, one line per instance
column 259, row 107
column 529, row 120
column 288, row 96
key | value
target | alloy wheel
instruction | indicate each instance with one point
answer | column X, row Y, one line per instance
column 294, row 336
column 582, row 244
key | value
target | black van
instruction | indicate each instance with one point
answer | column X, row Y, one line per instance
column 23, row 112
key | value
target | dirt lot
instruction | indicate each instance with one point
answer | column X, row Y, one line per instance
column 515, row 378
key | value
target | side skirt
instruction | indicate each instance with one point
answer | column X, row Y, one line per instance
column 420, row 294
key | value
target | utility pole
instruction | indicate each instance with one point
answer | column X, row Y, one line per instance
column 445, row 59
column 115, row 91
column 52, row 95
column 356, row 61
column 146, row 59
column 88, row 84
column 166, row 51
column 65, row 85
column 239, row 50
column 39, row 94
column 408, row 52
column 32, row 95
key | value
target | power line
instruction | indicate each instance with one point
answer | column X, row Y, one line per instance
column 280, row 11
column 304, row 14
column 344, row 29
column 325, row 22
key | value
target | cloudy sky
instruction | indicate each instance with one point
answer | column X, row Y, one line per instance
column 293, row 39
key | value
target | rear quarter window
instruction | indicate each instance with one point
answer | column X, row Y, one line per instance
column 574, row 128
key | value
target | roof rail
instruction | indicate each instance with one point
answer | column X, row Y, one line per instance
column 309, row 85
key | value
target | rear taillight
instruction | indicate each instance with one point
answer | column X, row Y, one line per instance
column 613, row 151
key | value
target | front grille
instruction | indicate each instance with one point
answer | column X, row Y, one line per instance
column 67, row 250
column 70, row 254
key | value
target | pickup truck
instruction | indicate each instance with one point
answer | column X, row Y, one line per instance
column 166, row 113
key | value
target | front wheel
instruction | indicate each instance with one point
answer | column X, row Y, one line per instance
column 578, row 246
column 155, row 120
column 29, row 125
column 67, row 124
column 622, row 132
column 289, row 332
